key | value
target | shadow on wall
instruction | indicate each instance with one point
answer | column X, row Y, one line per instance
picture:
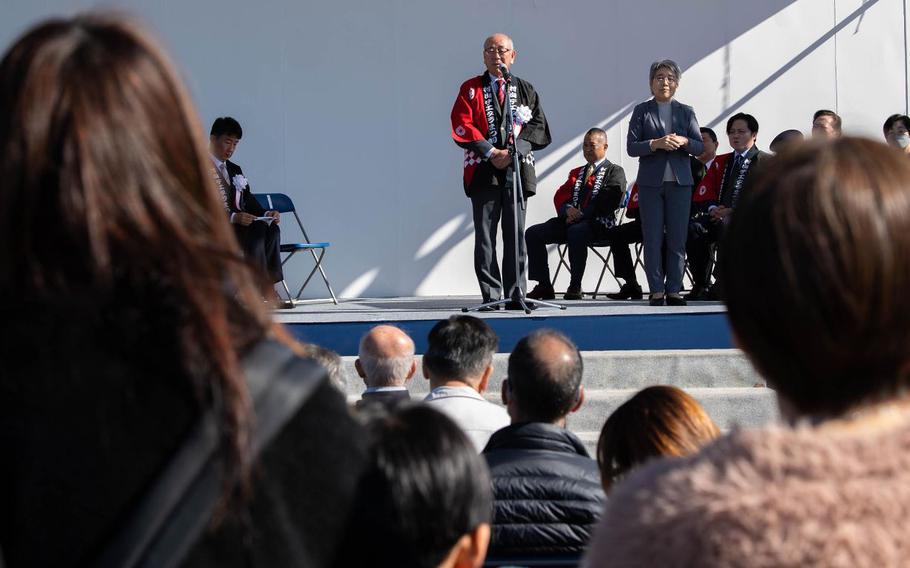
column 406, row 226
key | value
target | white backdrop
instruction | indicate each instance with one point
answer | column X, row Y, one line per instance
column 345, row 104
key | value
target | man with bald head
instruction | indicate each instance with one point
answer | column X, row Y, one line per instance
column 386, row 363
column 479, row 127
column 546, row 488
column 587, row 205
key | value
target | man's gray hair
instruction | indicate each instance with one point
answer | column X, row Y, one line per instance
column 667, row 64
column 386, row 371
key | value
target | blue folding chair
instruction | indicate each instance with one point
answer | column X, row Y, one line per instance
column 283, row 204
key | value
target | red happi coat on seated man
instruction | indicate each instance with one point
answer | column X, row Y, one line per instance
column 707, row 190
column 478, row 122
column 602, row 196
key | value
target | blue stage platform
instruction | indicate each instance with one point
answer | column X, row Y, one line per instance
column 595, row 325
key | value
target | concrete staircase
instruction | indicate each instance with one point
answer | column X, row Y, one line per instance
column 722, row 380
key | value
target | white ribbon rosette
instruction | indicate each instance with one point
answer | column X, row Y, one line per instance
column 522, row 115
column 239, row 182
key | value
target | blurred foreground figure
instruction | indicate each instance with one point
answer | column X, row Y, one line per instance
column 129, row 315
column 832, row 486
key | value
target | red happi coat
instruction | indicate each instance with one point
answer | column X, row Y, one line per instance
column 470, row 130
column 564, row 193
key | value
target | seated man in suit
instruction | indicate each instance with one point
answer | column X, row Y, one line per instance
column 258, row 236
column 385, row 362
column 546, row 489
column 586, row 206
column 722, row 188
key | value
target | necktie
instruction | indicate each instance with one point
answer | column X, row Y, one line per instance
column 588, row 171
column 737, row 163
column 501, row 93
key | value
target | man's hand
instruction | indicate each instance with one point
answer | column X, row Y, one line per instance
column 500, row 158
column 720, row 212
column 572, row 215
column 274, row 215
column 241, row 218
column 668, row 143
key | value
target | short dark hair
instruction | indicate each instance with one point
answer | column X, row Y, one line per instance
column 836, row 335
column 750, row 121
column 460, row 347
column 832, row 114
column 710, row 132
column 894, row 118
column 595, row 130
column 785, row 139
column 226, row 126
column 544, row 390
column 423, row 469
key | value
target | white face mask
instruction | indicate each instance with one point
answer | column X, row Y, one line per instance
column 902, row 140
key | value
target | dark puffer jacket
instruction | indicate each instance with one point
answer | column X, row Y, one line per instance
column 547, row 491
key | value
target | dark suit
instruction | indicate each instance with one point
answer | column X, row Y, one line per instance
column 259, row 240
column 664, row 205
column 389, row 398
column 703, row 230
column 583, row 232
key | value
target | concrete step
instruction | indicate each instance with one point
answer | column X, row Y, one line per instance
column 684, row 368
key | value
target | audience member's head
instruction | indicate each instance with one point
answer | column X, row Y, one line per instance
column 426, row 499
column 460, row 349
column 835, row 261
column 658, row 421
column 595, row 145
column 826, row 124
column 224, row 137
column 786, row 141
column 330, row 361
column 709, row 139
column 107, row 205
column 385, row 357
column 544, row 381
column 897, row 131
column 742, row 131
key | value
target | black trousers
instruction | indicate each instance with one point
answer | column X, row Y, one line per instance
column 490, row 206
column 577, row 237
column 702, row 234
column 261, row 243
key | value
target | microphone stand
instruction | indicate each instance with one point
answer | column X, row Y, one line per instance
column 517, row 198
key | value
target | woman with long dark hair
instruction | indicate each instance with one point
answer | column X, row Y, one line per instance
column 127, row 311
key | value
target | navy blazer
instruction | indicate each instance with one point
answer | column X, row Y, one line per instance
column 645, row 126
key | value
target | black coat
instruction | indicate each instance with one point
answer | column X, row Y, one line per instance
column 546, row 489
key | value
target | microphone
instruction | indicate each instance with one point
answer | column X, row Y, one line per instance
column 505, row 73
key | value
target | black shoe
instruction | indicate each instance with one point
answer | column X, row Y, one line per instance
column 285, row 305
column 675, row 300
column 573, row 293
column 489, row 308
column 655, row 301
column 628, row 291
column 542, row 292
column 698, row 294
column 516, row 305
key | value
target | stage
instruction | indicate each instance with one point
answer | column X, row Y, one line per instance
column 595, row 325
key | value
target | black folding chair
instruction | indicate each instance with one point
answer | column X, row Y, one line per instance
column 283, row 204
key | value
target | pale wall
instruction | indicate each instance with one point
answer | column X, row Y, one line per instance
column 345, row 105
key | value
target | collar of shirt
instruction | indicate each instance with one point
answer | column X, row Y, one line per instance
column 709, row 163
column 493, row 80
column 384, row 389
column 446, row 391
column 598, row 164
column 218, row 163
column 742, row 154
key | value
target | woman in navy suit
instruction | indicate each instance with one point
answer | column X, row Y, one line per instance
column 663, row 133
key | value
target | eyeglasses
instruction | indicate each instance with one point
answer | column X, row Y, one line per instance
column 661, row 79
column 499, row 50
